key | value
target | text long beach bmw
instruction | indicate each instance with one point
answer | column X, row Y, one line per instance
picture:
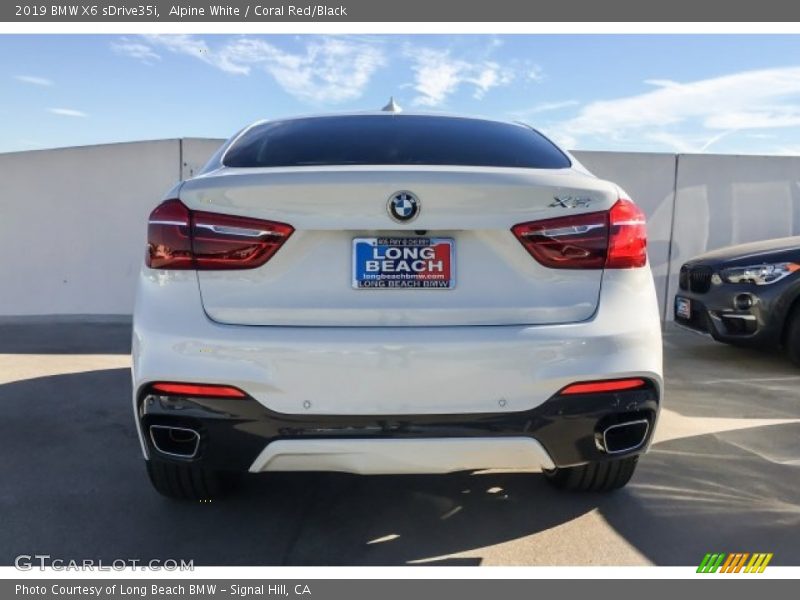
column 515, row 324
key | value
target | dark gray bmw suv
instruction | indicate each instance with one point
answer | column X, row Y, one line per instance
column 745, row 295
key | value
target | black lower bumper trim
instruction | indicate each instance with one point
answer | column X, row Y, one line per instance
column 234, row 431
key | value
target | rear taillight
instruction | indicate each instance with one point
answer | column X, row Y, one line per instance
column 169, row 242
column 573, row 242
column 228, row 242
column 613, row 239
column 627, row 238
column 178, row 238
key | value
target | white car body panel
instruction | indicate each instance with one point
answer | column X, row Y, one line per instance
column 497, row 282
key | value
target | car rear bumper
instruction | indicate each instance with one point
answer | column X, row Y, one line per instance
column 715, row 313
column 428, row 382
column 240, row 434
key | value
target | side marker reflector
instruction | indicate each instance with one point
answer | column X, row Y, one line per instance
column 595, row 387
column 190, row 389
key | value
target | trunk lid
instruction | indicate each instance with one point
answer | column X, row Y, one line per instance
column 308, row 282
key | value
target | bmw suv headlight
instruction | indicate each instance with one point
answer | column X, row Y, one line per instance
column 759, row 274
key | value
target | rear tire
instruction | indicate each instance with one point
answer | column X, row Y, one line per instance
column 792, row 337
column 594, row 477
column 188, row 482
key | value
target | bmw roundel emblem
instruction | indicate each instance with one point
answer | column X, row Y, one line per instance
column 403, row 206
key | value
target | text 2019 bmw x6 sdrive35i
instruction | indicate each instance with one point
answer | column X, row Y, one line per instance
column 386, row 293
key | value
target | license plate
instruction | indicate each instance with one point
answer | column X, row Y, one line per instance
column 402, row 263
column 683, row 308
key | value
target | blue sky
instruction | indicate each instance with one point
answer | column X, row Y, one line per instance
column 670, row 93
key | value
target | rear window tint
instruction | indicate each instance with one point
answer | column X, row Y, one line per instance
column 393, row 140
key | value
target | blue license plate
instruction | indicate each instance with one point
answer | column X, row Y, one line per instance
column 403, row 263
column 683, row 308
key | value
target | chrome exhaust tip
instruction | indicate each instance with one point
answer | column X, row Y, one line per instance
column 179, row 442
column 624, row 437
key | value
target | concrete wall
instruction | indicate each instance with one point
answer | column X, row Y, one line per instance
column 72, row 225
column 726, row 200
column 650, row 180
column 195, row 153
column 73, row 220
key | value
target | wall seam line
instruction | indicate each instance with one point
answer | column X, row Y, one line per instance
column 180, row 159
column 667, row 304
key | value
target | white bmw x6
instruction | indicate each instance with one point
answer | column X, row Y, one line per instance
column 381, row 293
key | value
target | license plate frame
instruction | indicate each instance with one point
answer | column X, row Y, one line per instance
column 376, row 250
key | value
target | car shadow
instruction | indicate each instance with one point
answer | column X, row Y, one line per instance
column 109, row 334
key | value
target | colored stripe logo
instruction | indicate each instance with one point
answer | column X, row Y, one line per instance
column 738, row 562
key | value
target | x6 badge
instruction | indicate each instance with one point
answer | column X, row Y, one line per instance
column 570, row 201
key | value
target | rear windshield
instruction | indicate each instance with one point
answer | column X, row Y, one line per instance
column 393, row 140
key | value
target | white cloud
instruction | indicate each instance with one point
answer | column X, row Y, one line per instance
column 546, row 107
column 67, row 112
column 763, row 117
column 536, row 74
column 662, row 83
column 33, row 80
column 788, row 150
column 437, row 75
column 196, row 47
column 435, row 78
column 706, row 109
column 681, row 142
column 327, row 70
column 134, row 49
column 323, row 70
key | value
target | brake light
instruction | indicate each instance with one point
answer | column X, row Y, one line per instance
column 178, row 238
column 613, row 239
column 194, row 390
column 573, row 242
column 595, row 387
column 627, row 239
